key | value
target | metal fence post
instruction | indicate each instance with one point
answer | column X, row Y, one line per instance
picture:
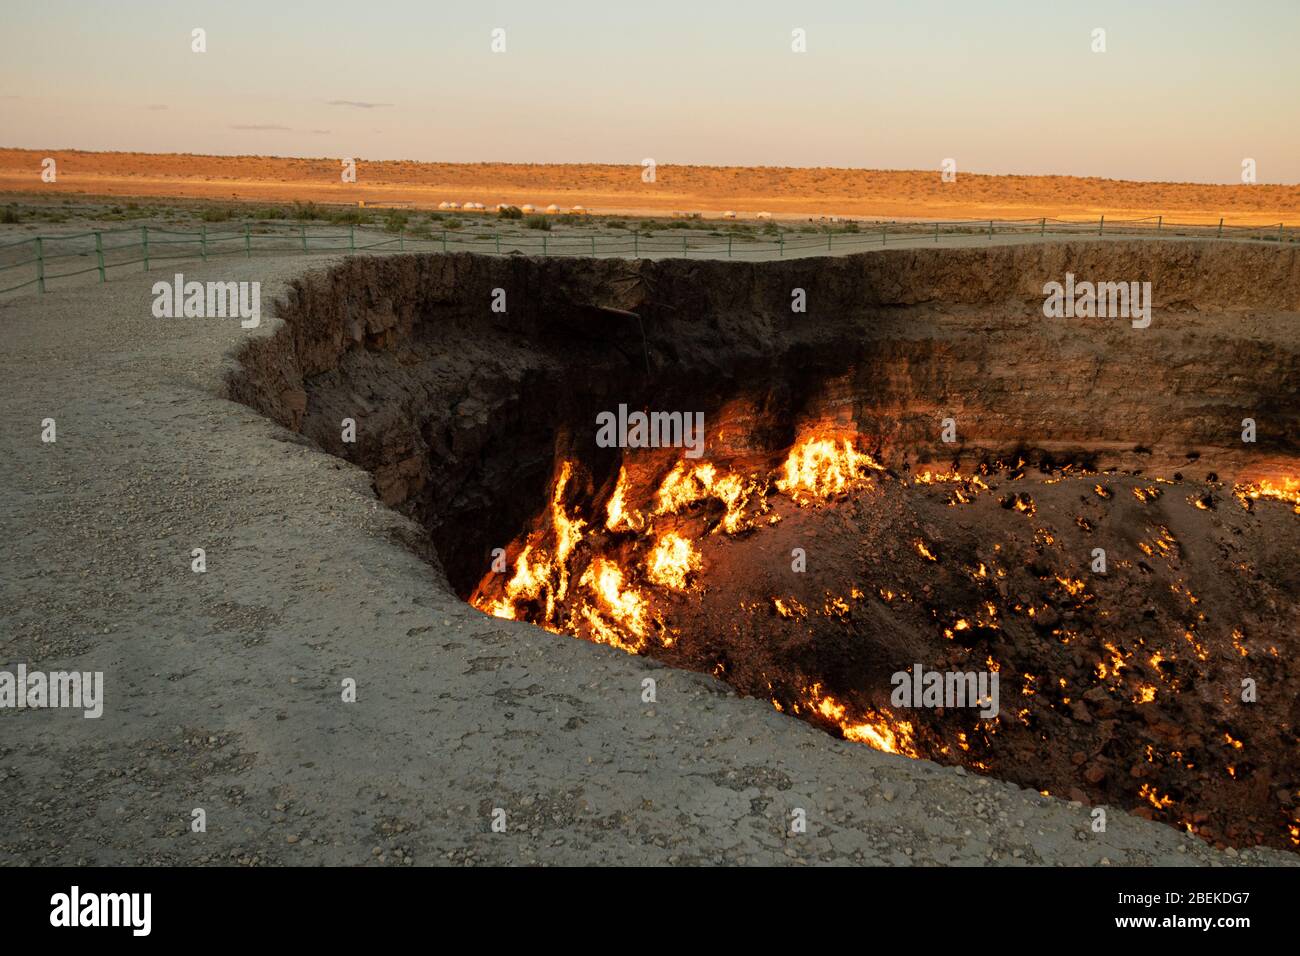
column 593, row 247
column 683, row 245
column 99, row 254
column 936, row 232
column 1220, row 227
column 1042, row 227
column 1279, row 232
column 40, row 264
column 728, row 247
column 444, row 236
column 401, row 242
column 144, row 232
column 352, row 237
column 781, row 240
column 829, row 237
column 1101, row 225
column 203, row 240
column 498, row 238
column 990, row 229
column 444, row 240
column 884, row 233
column 303, row 231
column 1160, row 223
column 636, row 245
column 248, row 242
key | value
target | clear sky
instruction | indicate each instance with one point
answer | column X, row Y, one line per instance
column 1184, row 91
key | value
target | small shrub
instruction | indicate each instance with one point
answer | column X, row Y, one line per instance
column 396, row 221
column 452, row 223
column 10, row 214
column 510, row 212
column 215, row 215
column 538, row 222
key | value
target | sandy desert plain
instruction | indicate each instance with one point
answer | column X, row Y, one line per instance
column 785, row 193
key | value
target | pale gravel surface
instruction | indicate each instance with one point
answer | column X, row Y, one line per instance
column 223, row 689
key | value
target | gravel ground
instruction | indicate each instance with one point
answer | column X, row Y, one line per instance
column 222, row 689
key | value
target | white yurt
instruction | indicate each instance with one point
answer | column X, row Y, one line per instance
column 764, row 215
column 729, row 214
column 579, row 210
column 452, row 205
column 444, row 205
column 552, row 208
column 527, row 207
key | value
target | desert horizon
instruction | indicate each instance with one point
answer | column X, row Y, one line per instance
column 785, row 192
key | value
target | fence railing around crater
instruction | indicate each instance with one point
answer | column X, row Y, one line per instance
column 104, row 250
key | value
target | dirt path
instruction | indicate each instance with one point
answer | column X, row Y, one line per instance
column 223, row 689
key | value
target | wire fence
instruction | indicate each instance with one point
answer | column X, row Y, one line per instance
column 47, row 258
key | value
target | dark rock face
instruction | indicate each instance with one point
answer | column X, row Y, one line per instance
column 459, row 409
column 462, row 414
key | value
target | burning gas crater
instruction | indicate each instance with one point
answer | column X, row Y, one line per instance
column 645, row 544
column 811, row 576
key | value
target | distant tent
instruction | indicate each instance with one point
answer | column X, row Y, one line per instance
column 729, row 214
column 764, row 215
column 527, row 207
column 552, row 208
column 444, row 205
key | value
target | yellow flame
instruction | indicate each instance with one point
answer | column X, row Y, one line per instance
column 1285, row 489
column 672, row 559
column 877, row 731
column 822, row 468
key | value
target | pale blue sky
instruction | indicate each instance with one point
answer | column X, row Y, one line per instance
column 1185, row 91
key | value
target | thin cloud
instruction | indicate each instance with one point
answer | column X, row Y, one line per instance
column 358, row 104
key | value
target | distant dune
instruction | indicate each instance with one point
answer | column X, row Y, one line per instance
column 784, row 192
